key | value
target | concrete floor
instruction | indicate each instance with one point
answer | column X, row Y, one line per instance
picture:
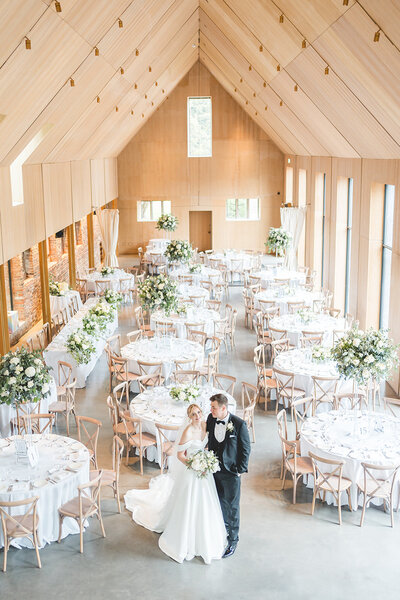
column 283, row 552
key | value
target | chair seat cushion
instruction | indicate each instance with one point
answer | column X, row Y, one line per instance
column 376, row 489
column 147, row 440
column 303, row 464
column 14, row 529
column 333, row 483
column 296, row 393
column 60, row 406
column 71, row 508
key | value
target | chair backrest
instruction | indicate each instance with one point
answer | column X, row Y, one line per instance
column 249, row 396
column 302, row 408
column 334, row 473
column 281, row 420
column 212, row 363
column 196, row 336
column 64, row 373
column 324, row 389
column 213, row 305
column 112, row 412
column 392, row 405
column 351, row 400
column 259, row 354
column 335, row 312
column 114, row 343
column 267, row 304
column 120, row 392
column 182, row 376
column 125, row 285
column 163, row 327
column 310, row 341
column 278, row 346
column 337, row 334
column 119, row 366
column 88, row 428
column 284, row 381
column 220, row 328
column 82, row 287
column 278, row 334
column 134, row 336
column 117, row 452
column 26, row 523
column 313, row 334
column 89, row 496
column 380, row 479
column 162, row 428
column 64, row 315
column 225, row 382
column 138, row 313
column 150, row 374
column 102, row 285
column 294, row 306
column 38, row 423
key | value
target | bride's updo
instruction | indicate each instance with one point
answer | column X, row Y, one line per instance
column 191, row 409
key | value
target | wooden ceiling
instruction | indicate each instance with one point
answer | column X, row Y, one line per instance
column 270, row 55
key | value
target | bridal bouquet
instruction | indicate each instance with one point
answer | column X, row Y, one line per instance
column 361, row 355
column 185, row 393
column 158, row 293
column 113, row 298
column 167, row 223
column 278, row 240
column 106, row 271
column 24, row 377
column 320, row 354
column 179, row 251
column 203, row 462
column 80, row 347
column 57, row 288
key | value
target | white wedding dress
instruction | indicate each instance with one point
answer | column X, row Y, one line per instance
column 184, row 508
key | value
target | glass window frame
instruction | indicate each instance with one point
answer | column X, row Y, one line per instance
column 349, row 226
column 237, row 217
column 387, row 255
column 190, row 137
column 152, row 219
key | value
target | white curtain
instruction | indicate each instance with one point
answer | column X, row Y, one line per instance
column 108, row 222
column 292, row 219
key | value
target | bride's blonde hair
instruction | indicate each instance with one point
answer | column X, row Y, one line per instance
column 191, row 408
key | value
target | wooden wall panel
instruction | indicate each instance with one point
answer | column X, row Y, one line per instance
column 245, row 163
column 81, row 186
column 98, row 182
column 57, row 196
column 111, row 179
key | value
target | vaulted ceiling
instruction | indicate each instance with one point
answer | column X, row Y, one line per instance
column 307, row 71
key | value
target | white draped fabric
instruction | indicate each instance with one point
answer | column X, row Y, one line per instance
column 108, row 222
column 292, row 219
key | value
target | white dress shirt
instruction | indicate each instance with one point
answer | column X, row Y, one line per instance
column 220, row 429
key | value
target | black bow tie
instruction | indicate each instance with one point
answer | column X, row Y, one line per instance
column 218, row 421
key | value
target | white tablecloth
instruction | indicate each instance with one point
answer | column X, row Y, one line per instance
column 57, row 350
column 157, row 406
column 193, row 315
column 7, row 412
column 355, row 437
column 113, row 277
column 62, row 459
column 157, row 244
column 247, row 261
column 57, row 303
column 320, row 323
column 164, row 350
column 203, row 275
column 269, row 275
column 281, row 297
column 186, row 290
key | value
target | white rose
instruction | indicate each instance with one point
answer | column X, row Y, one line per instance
column 30, row 384
column 30, row 371
column 356, row 342
column 14, row 361
column 37, row 361
column 45, row 388
column 12, row 380
column 6, row 372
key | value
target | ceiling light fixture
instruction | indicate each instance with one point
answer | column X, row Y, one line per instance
column 120, row 23
column 137, row 51
column 116, row 109
column 135, row 86
column 121, row 70
column 131, row 112
column 281, row 103
column 278, row 67
column 247, row 101
column 71, row 82
column 58, row 6
column 281, row 18
column 149, row 69
column 265, row 84
column 145, row 96
column 241, row 80
column 28, row 45
column 266, row 107
column 249, row 67
column 345, row 2
column 304, row 43
column 296, row 87
column 98, row 99
column 261, row 48
column 326, row 70
column 377, row 35
column 254, row 94
column 256, row 113
column 96, row 51
column 156, row 83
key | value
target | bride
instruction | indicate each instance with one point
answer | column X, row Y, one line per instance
column 185, row 508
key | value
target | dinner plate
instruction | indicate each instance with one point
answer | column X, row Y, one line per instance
column 39, row 483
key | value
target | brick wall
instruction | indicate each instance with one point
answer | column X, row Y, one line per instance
column 26, row 289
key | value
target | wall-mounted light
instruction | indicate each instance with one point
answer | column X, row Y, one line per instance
column 288, row 161
column 28, row 45
column 57, row 6
column 377, row 35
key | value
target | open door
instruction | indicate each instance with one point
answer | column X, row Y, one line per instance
column 200, row 229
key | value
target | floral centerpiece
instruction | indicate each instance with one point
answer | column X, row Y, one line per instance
column 24, row 377
column 195, row 268
column 278, row 240
column 306, row 316
column 103, row 312
column 80, row 346
column 179, row 251
column 320, row 353
column 185, row 393
column 362, row 355
column 105, row 271
column 158, row 292
column 203, row 462
column 113, row 298
column 167, row 223
column 182, row 309
column 58, row 288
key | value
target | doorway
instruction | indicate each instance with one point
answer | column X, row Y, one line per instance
column 200, row 229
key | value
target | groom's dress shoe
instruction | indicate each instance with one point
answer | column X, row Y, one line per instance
column 229, row 550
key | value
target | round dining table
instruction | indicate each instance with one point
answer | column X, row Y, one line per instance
column 281, row 297
column 313, row 323
column 63, row 464
column 269, row 275
column 354, row 437
column 186, row 290
column 204, row 274
column 204, row 318
column 114, row 279
column 156, row 406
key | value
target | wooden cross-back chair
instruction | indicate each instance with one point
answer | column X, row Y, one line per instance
column 20, row 526
column 89, row 428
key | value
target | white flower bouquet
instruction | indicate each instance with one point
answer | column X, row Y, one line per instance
column 91, row 325
column 24, row 377
column 195, row 268
column 203, row 462
column 103, row 312
column 105, row 271
column 80, row 346
column 181, row 310
column 185, row 393
column 320, row 354
column 159, row 293
column 306, row 316
column 361, row 355
column 57, row 288
column 113, row 298
column 179, row 251
column 167, row 223
column 278, row 240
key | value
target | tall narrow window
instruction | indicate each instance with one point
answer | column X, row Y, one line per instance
column 199, row 127
column 323, row 230
column 387, row 250
column 289, row 185
column 318, row 239
column 302, row 201
column 348, row 243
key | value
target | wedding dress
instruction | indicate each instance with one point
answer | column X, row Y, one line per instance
column 184, row 508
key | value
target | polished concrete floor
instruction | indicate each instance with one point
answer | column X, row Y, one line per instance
column 283, row 552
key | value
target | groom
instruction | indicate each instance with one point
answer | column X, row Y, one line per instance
column 228, row 437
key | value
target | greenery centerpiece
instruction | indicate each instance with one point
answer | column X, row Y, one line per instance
column 195, row 268
column 306, row 316
column 362, row 355
column 24, row 377
column 185, row 393
column 320, row 353
column 113, row 298
column 167, row 223
column 278, row 240
column 179, row 251
column 58, row 288
column 80, row 346
column 158, row 292
column 106, row 271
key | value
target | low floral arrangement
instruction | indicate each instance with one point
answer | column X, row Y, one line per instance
column 181, row 309
column 159, row 292
column 91, row 325
column 278, row 240
column 113, row 298
column 306, row 316
column 320, row 354
column 80, row 346
column 58, row 288
column 179, row 251
column 105, row 271
column 362, row 355
column 103, row 312
column 24, row 377
column 203, row 462
column 196, row 268
column 167, row 223
column 185, row 393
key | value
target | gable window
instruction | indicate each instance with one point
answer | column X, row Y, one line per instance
column 199, row 127
column 242, row 209
column 151, row 210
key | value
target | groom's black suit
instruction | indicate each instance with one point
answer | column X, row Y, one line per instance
column 233, row 454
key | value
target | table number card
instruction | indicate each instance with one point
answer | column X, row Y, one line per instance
column 33, row 456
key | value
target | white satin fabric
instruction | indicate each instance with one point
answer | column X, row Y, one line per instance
column 292, row 220
column 108, row 220
column 184, row 508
